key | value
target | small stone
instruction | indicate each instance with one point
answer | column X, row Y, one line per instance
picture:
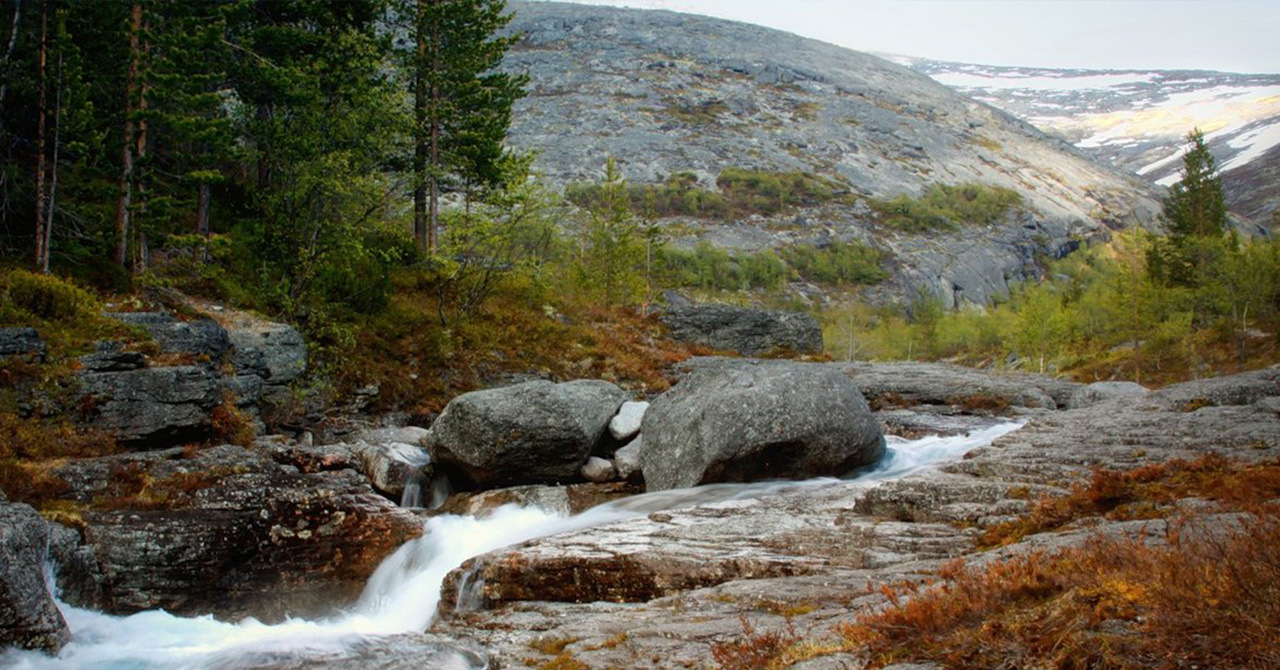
column 626, row 424
column 598, row 470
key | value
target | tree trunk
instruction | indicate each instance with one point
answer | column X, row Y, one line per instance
column 50, row 207
column 124, row 203
column 41, row 168
column 434, row 175
column 202, row 217
column 142, row 257
column 13, row 43
column 419, row 131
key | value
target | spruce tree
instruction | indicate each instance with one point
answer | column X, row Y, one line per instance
column 1196, row 216
column 462, row 105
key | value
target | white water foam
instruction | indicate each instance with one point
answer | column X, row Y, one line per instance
column 402, row 595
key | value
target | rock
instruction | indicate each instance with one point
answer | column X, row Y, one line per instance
column 111, row 357
column 275, row 352
column 905, row 384
column 1098, row 392
column 536, row 432
column 228, row 531
column 751, row 420
column 598, row 470
column 75, row 568
column 389, row 465
column 153, row 406
column 202, row 338
column 28, row 616
column 562, row 500
column 627, row 459
column 1242, row 389
column 747, row 331
column 626, row 424
column 17, row 341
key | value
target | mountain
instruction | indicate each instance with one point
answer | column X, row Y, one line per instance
column 1138, row 119
column 664, row 93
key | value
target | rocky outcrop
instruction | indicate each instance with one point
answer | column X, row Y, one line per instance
column 229, row 531
column 28, row 616
column 536, row 432
column 202, row 339
column 146, row 403
column 16, row 341
column 154, row 405
column 748, row 331
column 739, row 421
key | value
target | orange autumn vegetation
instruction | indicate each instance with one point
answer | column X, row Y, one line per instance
column 1205, row 593
column 1208, row 597
column 1144, row 493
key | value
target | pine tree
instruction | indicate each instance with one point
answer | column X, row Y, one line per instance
column 462, row 105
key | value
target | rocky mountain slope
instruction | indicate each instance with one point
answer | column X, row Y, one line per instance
column 1137, row 120
column 665, row 92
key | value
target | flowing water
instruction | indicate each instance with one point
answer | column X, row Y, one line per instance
column 400, row 599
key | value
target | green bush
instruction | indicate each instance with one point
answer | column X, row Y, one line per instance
column 836, row 264
column 944, row 207
column 49, row 297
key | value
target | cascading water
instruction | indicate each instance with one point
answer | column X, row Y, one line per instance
column 402, row 594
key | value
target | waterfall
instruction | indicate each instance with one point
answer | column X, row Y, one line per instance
column 402, row 595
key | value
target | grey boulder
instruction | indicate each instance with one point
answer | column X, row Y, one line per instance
column 532, row 433
column 738, row 421
column 28, row 616
column 745, row 330
column 202, row 338
column 154, row 405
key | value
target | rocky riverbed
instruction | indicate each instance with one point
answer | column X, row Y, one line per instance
column 287, row 526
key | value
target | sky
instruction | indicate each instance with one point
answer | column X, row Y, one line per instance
column 1227, row 35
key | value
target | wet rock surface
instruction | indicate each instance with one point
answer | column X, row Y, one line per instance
column 751, row 332
column 658, row 589
column 28, row 616
column 229, row 531
column 532, row 433
column 738, row 421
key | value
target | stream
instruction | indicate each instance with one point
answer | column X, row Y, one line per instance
column 382, row 630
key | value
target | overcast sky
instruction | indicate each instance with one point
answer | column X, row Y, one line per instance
column 1228, row 35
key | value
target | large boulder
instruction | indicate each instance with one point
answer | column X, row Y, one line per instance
column 910, row 383
column 532, row 433
column 737, row 421
column 28, row 616
column 745, row 330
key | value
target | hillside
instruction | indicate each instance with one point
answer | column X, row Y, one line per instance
column 666, row 93
column 1138, row 120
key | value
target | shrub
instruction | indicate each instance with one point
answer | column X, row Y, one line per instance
column 49, row 297
column 944, row 207
column 836, row 264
